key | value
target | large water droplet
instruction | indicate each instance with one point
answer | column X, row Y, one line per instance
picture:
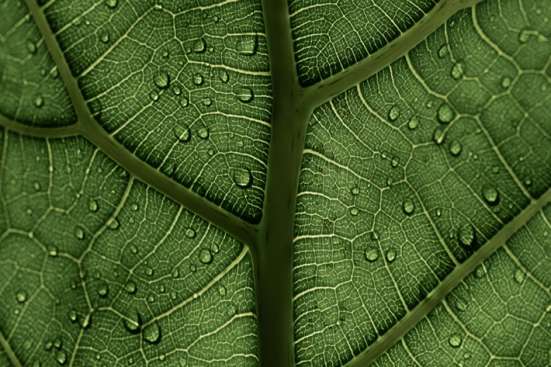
column 199, row 46
column 133, row 323
column 413, row 123
column 390, row 255
column 371, row 254
column 162, row 80
column 205, row 256
column 466, row 234
column 408, row 206
column 445, row 113
column 490, row 195
column 21, row 296
column 247, row 45
column 152, row 333
column 203, row 133
column 455, row 148
column 455, row 340
column 183, row 134
column 245, row 95
column 61, row 357
column 242, row 177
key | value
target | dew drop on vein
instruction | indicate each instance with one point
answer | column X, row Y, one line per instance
column 466, row 234
column 245, row 94
column 247, row 45
column 183, row 134
column 162, row 80
column 371, row 254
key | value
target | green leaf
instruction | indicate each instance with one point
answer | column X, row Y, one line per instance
column 273, row 183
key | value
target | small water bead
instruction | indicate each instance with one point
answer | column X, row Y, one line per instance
column 183, row 134
column 455, row 148
column 104, row 37
column 413, row 123
column 31, row 47
column 113, row 223
column 52, row 251
column 21, row 296
column 354, row 212
column 79, row 233
column 242, row 177
column 479, row 272
column 61, row 357
column 86, row 321
column 408, row 206
column 190, row 233
column 203, row 133
column 455, row 340
column 184, row 102
column 154, row 96
column 443, row 51
column 152, row 333
column 205, row 256
column 394, row 162
column 111, row 3
column 103, row 290
column 207, row 101
column 199, row 46
column 38, row 102
column 93, row 205
column 133, row 249
column 224, row 76
column 198, row 79
column 162, row 80
column 439, row 135
column 247, row 45
column 355, row 190
column 245, row 95
column 466, row 234
column 394, row 113
column 130, row 287
column 519, row 276
column 490, row 195
column 371, row 255
column 176, row 90
column 506, row 82
column 445, row 113
column 222, row 290
column 458, row 70
column 390, row 255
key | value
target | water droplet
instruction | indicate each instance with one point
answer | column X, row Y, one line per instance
column 21, row 296
column 408, row 206
column 390, row 255
column 197, row 79
column 205, row 256
column 242, row 177
column 79, row 233
column 149, row 271
column 203, row 133
column 61, row 357
column 445, row 113
column 455, row 340
column 490, row 195
column 354, row 211
column 73, row 316
column 245, row 95
column 461, row 305
column 184, row 102
column 93, row 205
column 162, row 80
column 394, row 113
column 190, row 233
column 519, row 276
column 199, row 46
column 455, row 148
column 152, row 333
column 154, row 96
column 183, row 134
column 394, row 162
column 222, row 290
column 86, row 321
column 113, row 223
column 355, row 190
column 247, row 45
column 413, row 123
column 479, row 272
column 133, row 323
column 103, row 290
column 506, row 82
column 439, row 135
column 371, row 255
column 443, row 51
column 524, row 35
column 104, row 37
column 224, row 76
column 457, row 71
column 176, row 90
column 130, row 287
column 52, row 251
column 38, row 102
column 207, row 101
column 466, row 234
column 31, row 47
column 111, row 3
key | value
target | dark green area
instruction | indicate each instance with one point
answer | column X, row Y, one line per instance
column 275, row 183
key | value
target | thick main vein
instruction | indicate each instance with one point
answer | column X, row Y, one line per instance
column 90, row 129
column 437, row 295
column 338, row 83
column 9, row 351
